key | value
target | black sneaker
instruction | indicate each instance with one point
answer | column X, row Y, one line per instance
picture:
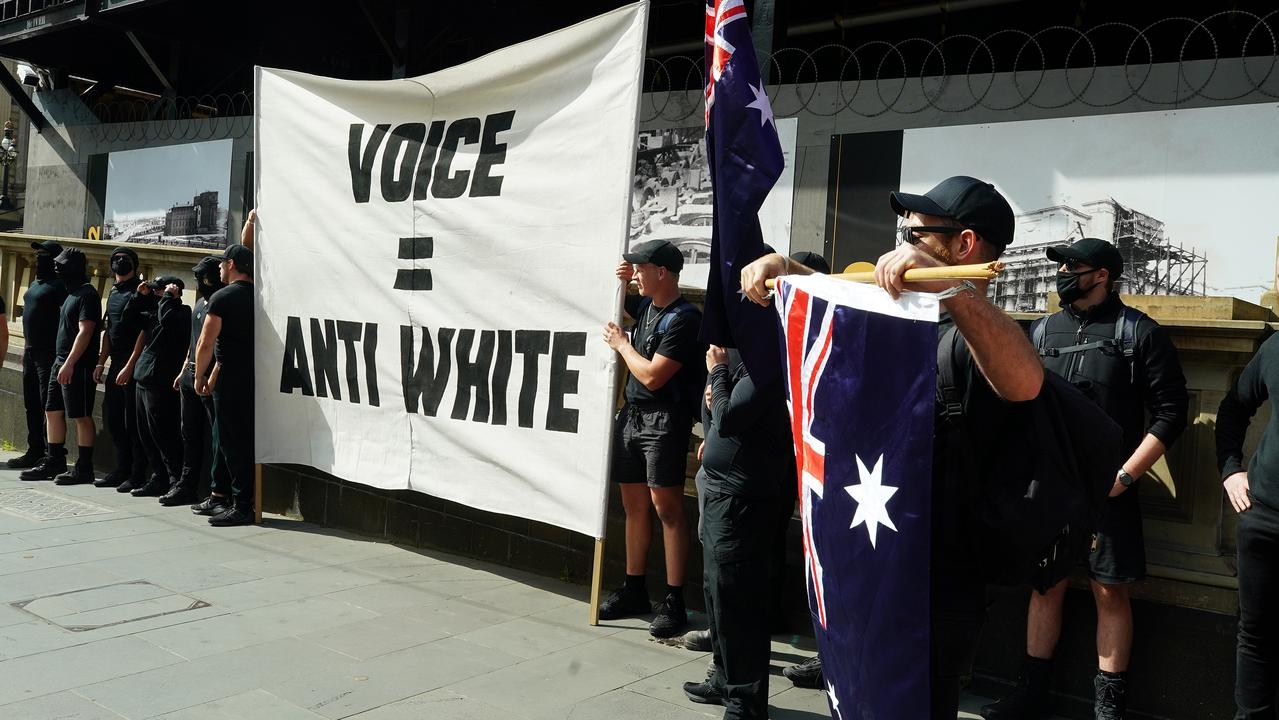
column 1111, row 697
column 211, row 506
column 46, row 469
column 807, row 674
column 112, row 479
column 28, row 459
column 233, row 516
column 671, row 618
column 177, row 495
column 698, row 640
column 1030, row 699
column 77, row 475
column 155, row 487
column 623, row 603
column 130, row 485
column 704, row 693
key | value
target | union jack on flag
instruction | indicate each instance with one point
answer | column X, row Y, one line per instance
column 745, row 159
column 860, row 375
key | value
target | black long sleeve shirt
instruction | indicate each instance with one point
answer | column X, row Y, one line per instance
column 1233, row 416
column 749, row 450
column 166, row 324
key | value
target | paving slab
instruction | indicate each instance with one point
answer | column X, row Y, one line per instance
column 299, row 622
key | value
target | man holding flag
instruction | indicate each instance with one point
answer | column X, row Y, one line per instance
column 746, row 458
column 960, row 221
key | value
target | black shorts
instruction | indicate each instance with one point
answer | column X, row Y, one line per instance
column 76, row 398
column 650, row 445
column 1118, row 554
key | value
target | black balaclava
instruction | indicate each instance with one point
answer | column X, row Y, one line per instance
column 44, row 266
column 123, row 261
column 207, row 279
column 72, row 267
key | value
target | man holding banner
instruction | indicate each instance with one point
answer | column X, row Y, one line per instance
column 960, row 221
column 651, row 431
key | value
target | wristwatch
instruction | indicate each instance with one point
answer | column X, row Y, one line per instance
column 1125, row 479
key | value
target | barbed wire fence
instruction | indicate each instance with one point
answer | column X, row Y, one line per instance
column 1002, row 71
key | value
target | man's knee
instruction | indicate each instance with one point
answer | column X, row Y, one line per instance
column 669, row 503
column 1110, row 596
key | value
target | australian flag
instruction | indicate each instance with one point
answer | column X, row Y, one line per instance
column 860, row 372
column 745, row 159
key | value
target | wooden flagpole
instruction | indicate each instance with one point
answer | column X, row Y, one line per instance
column 597, row 581
column 257, row 493
column 984, row 271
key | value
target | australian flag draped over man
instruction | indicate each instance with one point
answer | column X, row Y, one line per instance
column 860, row 372
column 745, row 159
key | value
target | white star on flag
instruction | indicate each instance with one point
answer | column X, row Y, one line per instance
column 834, row 701
column 761, row 104
column 872, row 499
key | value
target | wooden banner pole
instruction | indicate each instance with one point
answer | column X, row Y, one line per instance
column 597, row 581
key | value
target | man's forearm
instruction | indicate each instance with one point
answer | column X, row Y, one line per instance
column 79, row 346
column 999, row 346
column 203, row 354
column 1145, row 456
column 639, row 366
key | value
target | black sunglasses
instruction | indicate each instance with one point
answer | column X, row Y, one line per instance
column 1073, row 265
column 906, row 233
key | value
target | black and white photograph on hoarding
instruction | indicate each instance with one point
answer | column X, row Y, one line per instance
column 172, row 195
column 671, row 197
column 1183, row 194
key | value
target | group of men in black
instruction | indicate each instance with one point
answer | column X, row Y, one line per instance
column 1117, row 356
column 175, row 377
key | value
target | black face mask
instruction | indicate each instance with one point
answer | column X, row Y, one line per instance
column 206, row 285
column 121, row 265
column 1068, row 287
column 45, row 268
column 72, row 275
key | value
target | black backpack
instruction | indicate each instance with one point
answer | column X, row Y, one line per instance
column 1035, row 518
column 1124, row 340
column 689, row 383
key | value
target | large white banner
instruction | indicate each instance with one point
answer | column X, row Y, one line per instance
column 435, row 263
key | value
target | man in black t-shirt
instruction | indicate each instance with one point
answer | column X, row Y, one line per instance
column 71, row 387
column 120, row 398
column 227, row 337
column 650, row 434
column 960, row 221
column 197, row 411
column 40, row 307
column 157, row 308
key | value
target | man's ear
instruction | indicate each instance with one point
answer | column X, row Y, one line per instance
column 967, row 251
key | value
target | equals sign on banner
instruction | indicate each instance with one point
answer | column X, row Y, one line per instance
column 415, row 248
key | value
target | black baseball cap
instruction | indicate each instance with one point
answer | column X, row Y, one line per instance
column 658, row 252
column 975, row 204
column 812, row 261
column 48, row 246
column 208, row 264
column 242, row 256
column 1094, row 251
column 164, row 280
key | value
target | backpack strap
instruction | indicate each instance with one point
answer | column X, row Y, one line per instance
column 1038, row 333
column 950, row 402
column 680, row 307
column 1126, row 330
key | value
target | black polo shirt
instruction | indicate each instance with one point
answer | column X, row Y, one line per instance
column 120, row 332
column 41, row 305
column 165, row 347
column 83, row 303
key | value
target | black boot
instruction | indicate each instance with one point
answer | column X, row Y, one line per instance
column 1111, row 691
column 1029, row 700
column 115, row 478
column 47, row 469
column 28, row 459
column 807, row 674
column 79, row 474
